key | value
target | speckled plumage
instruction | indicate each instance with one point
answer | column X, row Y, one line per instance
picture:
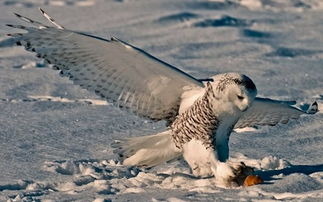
column 198, row 122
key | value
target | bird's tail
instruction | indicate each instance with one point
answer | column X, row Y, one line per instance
column 147, row 151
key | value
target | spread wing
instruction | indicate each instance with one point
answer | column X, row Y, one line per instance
column 119, row 72
column 266, row 111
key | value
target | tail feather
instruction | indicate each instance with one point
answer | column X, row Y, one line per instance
column 147, row 151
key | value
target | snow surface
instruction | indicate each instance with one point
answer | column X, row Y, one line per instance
column 54, row 136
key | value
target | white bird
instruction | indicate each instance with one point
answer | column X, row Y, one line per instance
column 201, row 114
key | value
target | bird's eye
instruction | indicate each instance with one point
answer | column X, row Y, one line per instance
column 240, row 97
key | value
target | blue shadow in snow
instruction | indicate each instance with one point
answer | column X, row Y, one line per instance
column 255, row 34
column 305, row 169
column 292, row 52
column 211, row 5
column 224, row 21
column 178, row 17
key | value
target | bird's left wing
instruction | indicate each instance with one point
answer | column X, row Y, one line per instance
column 119, row 72
column 264, row 111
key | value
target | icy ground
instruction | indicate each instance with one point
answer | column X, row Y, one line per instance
column 54, row 136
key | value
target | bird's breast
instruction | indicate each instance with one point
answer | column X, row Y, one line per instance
column 197, row 122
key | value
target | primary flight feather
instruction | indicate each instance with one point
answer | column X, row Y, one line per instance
column 200, row 115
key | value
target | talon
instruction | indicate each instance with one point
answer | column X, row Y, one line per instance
column 240, row 171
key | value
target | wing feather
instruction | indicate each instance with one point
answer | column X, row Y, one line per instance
column 119, row 72
column 266, row 111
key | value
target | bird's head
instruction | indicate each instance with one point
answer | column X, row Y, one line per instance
column 235, row 88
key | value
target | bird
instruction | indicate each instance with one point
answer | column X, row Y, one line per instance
column 200, row 114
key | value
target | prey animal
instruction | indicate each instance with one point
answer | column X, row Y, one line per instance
column 200, row 113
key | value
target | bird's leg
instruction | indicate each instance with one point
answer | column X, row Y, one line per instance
column 204, row 162
column 227, row 173
column 198, row 158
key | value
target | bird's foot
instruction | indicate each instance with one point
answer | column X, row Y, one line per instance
column 202, row 170
column 232, row 174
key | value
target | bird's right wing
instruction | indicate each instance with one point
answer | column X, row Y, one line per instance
column 119, row 72
column 264, row 111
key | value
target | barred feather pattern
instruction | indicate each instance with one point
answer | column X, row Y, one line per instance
column 198, row 122
column 124, row 75
column 91, row 70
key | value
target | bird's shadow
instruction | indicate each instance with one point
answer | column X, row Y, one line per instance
column 267, row 175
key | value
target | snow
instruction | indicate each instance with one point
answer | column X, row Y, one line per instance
column 55, row 137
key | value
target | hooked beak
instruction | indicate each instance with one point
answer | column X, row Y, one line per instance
column 245, row 109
